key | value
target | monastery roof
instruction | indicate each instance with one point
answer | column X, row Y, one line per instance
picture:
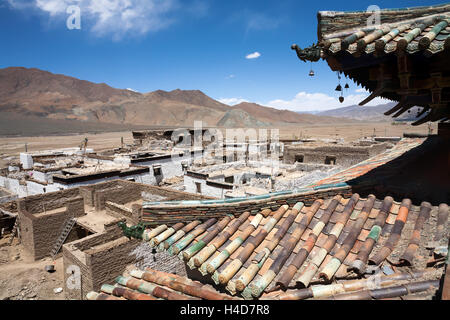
column 295, row 247
column 156, row 285
column 402, row 57
column 409, row 29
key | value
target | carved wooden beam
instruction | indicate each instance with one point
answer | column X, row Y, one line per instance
column 402, row 110
column 396, row 108
column 372, row 96
column 425, row 109
column 423, row 120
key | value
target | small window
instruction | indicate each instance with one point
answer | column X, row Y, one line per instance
column 299, row 158
column 330, row 160
column 198, row 185
column 224, row 159
column 184, row 166
column 157, row 171
column 229, row 179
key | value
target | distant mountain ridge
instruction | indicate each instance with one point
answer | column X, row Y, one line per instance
column 41, row 94
column 368, row 113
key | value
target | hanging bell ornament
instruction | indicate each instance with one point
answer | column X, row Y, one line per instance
column 341, row 99
column 346, row 86
column 311, row 73
column 338, row 88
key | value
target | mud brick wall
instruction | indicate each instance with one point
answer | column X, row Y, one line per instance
column 48, row 201
column 40, row 233
column 44, row 230
column 26, row 230
column 345, row 155
column 88, row 192
column 120, row 195
column 118, row 211
column 87, row 195
column 168, row 193
column 98, row 238
column 73, row 259
column 75, row 207
column 122, row 192
column 100, row 259
column 108, row 263
column 172, row 214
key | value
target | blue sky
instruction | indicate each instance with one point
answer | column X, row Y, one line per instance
column 187, row 44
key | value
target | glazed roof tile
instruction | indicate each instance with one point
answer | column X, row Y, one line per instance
column 410, row 30
column 273, row 252
column 156, row 285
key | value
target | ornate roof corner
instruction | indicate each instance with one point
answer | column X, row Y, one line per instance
column 312, row 53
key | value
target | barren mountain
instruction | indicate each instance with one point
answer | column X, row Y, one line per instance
column 369, row 113
column 272, row 115
column 41, row 94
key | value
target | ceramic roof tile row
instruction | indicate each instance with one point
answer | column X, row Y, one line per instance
column 428, row 32
column 375, row 288
column 156, row 285
column 365, row 166
column 298, row 246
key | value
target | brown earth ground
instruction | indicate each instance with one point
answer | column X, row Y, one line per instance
column 21, row 278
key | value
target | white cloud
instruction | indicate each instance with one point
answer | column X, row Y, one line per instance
column 254, row 55
column 361, row 90
column 118, row 18
column 304, row 101
column 258, row 21
column 231, row 101
column 231, row 76
column 20, row 4
column 129, row 89
column 255, row 21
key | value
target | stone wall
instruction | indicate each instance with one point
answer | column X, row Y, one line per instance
column 147, row 257
column 159, row 214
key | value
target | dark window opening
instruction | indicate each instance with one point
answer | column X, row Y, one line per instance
column 229, row 179
column 330, row 160
column 157, row 171
column 224, row 159
column 299, row 158
column 198, row 185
